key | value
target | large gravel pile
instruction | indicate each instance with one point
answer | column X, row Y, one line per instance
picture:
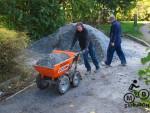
column 52, row 59
column 63, row 37
column 62, row 40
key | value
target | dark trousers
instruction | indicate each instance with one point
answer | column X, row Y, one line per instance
column 110, row 53
column 91, row 52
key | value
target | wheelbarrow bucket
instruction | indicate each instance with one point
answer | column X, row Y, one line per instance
column 58, row 69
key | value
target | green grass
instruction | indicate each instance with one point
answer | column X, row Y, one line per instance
column 127, row 28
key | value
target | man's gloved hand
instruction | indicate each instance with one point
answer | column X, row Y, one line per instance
column 80, row 52
column 112, row 44
column 85, row 50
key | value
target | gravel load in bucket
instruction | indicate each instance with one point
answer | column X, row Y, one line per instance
column 52, row 59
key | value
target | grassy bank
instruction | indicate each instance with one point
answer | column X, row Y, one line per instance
column 127, row 28
column 11, row 45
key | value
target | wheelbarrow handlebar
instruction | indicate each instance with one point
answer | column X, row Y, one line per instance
column 82, row 51
column 77, row 55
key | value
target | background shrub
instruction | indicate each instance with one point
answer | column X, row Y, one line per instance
column 11, row 44
column 37, row 17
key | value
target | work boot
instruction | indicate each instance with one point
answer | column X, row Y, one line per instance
column 105, row 65
column 123, row 64
column 88, row 72
column 96, row 70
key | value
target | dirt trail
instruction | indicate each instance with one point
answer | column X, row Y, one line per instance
column 145, row 29
column 99, row 93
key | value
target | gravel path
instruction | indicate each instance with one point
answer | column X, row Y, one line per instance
column 145, row 29
column 98, row 93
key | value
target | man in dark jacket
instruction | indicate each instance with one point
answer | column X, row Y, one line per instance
column 115, row 42
column 86, row 46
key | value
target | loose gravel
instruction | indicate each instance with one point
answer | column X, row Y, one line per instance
column 52, row 59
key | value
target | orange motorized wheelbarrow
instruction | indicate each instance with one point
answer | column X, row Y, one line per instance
column 62, row 74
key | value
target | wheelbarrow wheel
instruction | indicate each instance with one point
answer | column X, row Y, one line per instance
column 41, row 83
column 76, row 79
column 63, row 84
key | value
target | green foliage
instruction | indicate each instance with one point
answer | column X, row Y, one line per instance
column 37, row 17
column 125, row 9
column 142, row 9
column 11, row 44
column 145, row 73
column 81, row 10
column 41, row 17
column 146, row 59
column 118, row 6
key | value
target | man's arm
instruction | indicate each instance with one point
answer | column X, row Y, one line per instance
column 113, row 34
column 87, row 40
column 73, row 42
column 136, row 86
column 110, row 34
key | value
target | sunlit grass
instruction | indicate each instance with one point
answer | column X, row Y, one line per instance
column 127, row 28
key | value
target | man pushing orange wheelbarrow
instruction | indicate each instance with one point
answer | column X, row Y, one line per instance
column 62, row 74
